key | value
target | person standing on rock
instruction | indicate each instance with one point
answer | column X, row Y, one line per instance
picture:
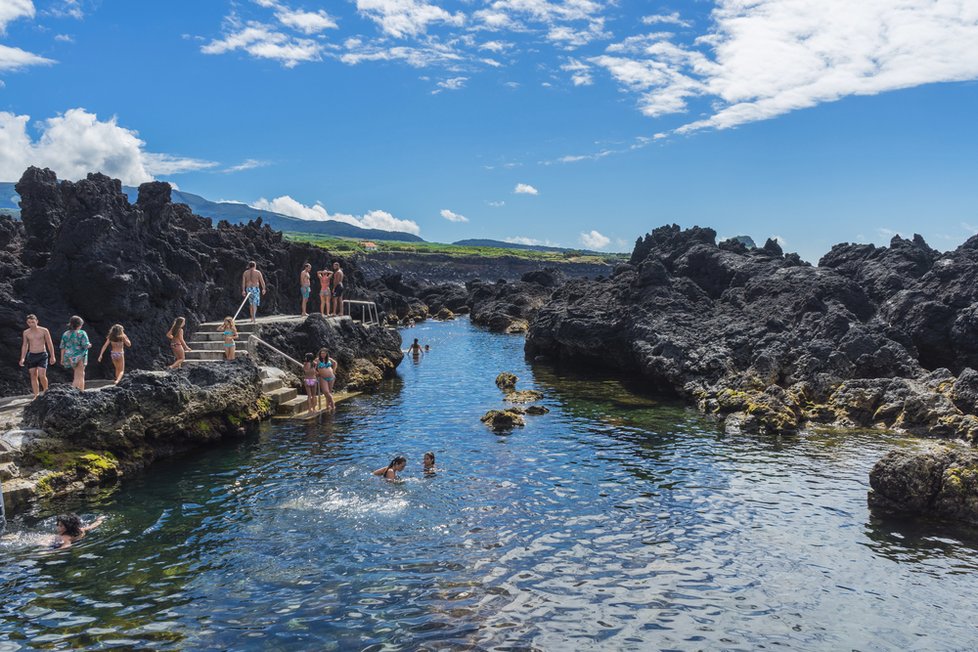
column 252, row 287
column 74, row 351
column 324, row 293
column 326, row 368
column 118, row 340
column 177, row 343
column 337, row 290
column 35, row 353
column 305, row 286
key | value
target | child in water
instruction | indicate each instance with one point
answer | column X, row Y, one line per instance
column 118, row 340
column 428, row 466
column 310, row 380
column 230, row 336
column 70, row 529
column 177, row 343
column 390, row 471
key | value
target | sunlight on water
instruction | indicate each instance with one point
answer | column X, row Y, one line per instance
column 613, row 522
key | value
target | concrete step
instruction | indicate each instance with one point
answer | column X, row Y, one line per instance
column 270, row 385
column 8, row 471
column 282, row 395
column 208, row 336
column 291, row 407
column 211, row 355
column 218, row 345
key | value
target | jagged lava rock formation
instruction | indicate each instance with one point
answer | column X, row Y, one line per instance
column 82, row 248
column 872, row 337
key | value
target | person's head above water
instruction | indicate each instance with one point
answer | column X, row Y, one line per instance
column 398, row 463
column 429, row 459
column 69, row 524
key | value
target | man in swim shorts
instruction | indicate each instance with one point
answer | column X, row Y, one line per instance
column 35, row 352
column 337, row 290
column 252, row 287
column 305, row 286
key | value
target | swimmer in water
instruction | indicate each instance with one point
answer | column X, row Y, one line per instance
column 415, row 348
column 389, row 472
column 427, row 348
column 70, row 529
column 428, row 466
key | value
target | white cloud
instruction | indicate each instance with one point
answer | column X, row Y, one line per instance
column 12, row 58
column 495, row 46
column 64, row 38
column 665, row 19
column 66, row 9
column 307, row 22
column 518, row 239
column 11, row 10
column 453, row 217
column 765, row 58
column 452, row 84
column 525, row 189
column 382, row 220
column 402, row 18
column 496, row 204
column 594, row 240
column 77, row 142
column 264, row 42
column 247, row 164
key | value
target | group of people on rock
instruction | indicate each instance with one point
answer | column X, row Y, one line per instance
column 330, row 289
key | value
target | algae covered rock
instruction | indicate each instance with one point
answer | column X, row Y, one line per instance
column 537, row 409
column 524, row 396
column 937, row 480
column 445, row 314
column 502, row 420
column 506, row 381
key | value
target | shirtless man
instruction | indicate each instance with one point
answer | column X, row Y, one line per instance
column 305, row 286
column 337, row 290
column 35, row 352
column 253, row 287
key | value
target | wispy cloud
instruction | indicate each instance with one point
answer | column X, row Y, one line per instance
column 11, row 10
column 496, row 204
column 402, row 18
column 247, row 164
column 525, row 189
column 264, row 41
column 594, row 240
column 453, row 217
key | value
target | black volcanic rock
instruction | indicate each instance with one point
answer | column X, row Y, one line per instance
column 82, row 248
column 773, row 342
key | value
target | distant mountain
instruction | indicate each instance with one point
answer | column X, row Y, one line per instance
column 499, row 244
column 239, row 214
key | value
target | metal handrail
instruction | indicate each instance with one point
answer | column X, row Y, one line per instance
column 284, row 355
column 367, row 308
column 243, row 302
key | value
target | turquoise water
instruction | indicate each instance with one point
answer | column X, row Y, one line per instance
column 613, row 522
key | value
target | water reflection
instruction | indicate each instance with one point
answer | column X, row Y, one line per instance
column 615, row 521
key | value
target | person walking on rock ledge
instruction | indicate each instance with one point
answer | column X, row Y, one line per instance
column 35, row 353
column 337, row 290
column 252, row 287
column 305, row 286
column 74, row 351
column 177, row 343
column 118, row 340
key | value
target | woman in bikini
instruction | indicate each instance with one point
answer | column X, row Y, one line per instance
column 177, row 343
column 118, row 340
column 324, row 293
column 326, row 370
column 74, row 350
column 310, row 381
column 230, row 336
column 390, row 471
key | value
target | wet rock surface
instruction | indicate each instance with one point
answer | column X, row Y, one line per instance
column 82, row 248
column 768, row 342
column 938, row 480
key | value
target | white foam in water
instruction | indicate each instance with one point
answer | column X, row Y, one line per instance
column 160, row 522
column 353, row 505
column 20, row 540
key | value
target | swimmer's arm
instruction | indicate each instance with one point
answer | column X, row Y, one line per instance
column 381, row 471
column 94, row 524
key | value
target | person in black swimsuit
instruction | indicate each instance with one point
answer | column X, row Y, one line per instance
column 389, row 472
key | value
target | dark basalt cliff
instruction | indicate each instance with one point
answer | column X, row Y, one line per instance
column 870, row 337
column 82, row 248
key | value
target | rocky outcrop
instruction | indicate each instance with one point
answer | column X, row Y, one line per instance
column 75, row 439
column 365, row 356
column 437, row 269
column 937, row 480
column 768, row 342
column 504, row 420
column 82, row 248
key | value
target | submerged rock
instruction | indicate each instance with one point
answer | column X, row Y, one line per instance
column 939, row 481
column 502, row 420
column 523, row 396
column 537, row 409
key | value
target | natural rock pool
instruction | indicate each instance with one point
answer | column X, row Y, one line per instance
column 613, row 522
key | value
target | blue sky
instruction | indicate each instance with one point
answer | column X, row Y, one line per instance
column 815, row 122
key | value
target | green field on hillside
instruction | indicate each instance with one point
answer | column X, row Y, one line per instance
column 346, row 246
